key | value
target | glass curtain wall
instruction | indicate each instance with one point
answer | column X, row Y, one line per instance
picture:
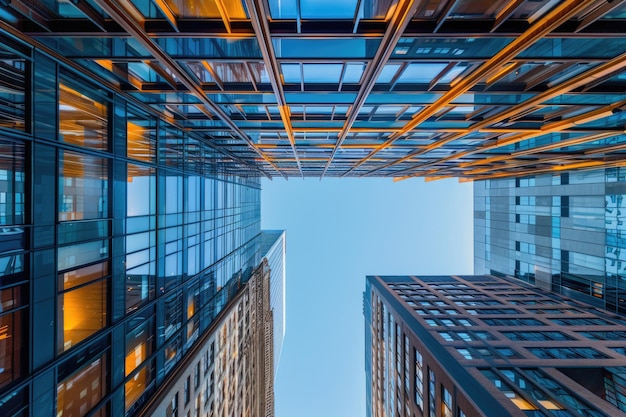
column 121, row 238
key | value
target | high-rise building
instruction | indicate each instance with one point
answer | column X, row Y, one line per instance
column 469, row 346
column 563, row 232
column 230, row 372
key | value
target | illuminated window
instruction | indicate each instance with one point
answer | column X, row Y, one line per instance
column 140, row 137
column 13, row 355
column 82, row 306
column 83, row 390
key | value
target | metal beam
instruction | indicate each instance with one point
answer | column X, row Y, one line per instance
column 610, row 67
column 403, row 13
column 259, row 19
column 80, row 69
column 551, row 21
column 124, row 17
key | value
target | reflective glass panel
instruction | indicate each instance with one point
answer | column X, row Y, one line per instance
column 83, row 187
column 83, row 120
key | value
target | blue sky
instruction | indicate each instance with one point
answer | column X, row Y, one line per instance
column 339, row 231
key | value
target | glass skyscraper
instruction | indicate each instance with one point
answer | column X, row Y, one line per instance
column 563, row 232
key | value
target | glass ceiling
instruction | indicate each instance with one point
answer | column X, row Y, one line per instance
column 399, row 88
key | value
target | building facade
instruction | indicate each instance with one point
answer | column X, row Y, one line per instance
column 231, row 372
column 461, row 346
column 122, row 237
column 563, row 232
column 399, row 89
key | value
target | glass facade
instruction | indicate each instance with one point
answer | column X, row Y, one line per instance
column 471, row 89
column 561, row 232
column 122, row 237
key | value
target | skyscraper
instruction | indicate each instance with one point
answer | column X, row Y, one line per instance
column 230, row 371
column 485, row 346
column 562, row 232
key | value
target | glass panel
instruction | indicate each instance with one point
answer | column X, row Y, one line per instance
column 353, row 73
column 141, row 137
column 83, row 390
column 12, row 90
column 140, row 191
column 81, row 313
column 328, row 9
column 83, row 275
column 322, row 73
column 83, row 187
column 12, row 188
column 388, row 72
column 291, row 73
column 139, row 345
column 420, row 73
column 138, row 384
column 13, row 336
column 82, row 119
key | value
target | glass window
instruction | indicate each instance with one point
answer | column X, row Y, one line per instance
column 12, row 186
column 83, row 119
column 139, row 347
column 141, row 137
column 83, row 187
column 12, row 93
column 81, row 313
column 446, row 403
column 13, row 334
column 84, row 389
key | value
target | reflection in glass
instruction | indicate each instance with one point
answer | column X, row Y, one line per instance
column 83, row 187
column 12, row 185
column 12, row 90
column 141, row 137
column 82, row 119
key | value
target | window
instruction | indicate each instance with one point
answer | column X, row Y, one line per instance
column 82, row 304
column 83, row 389
column 83, row 187
column 12, row 189
column 186, row 391
column 432, row 411
column 83, row 119
column 141, row 137
column 13, row 334
column 419, row 380
column 446, row 403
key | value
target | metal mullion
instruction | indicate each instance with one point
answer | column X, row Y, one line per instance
column 91, row 13
column 510, row 8
column 441, row 74
column 450, row 4
column 259, row 19
column 399, row 73
column 596, row 14
column 213, row 74
column 251, row 75
column 167, row 13
column 223, row 14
